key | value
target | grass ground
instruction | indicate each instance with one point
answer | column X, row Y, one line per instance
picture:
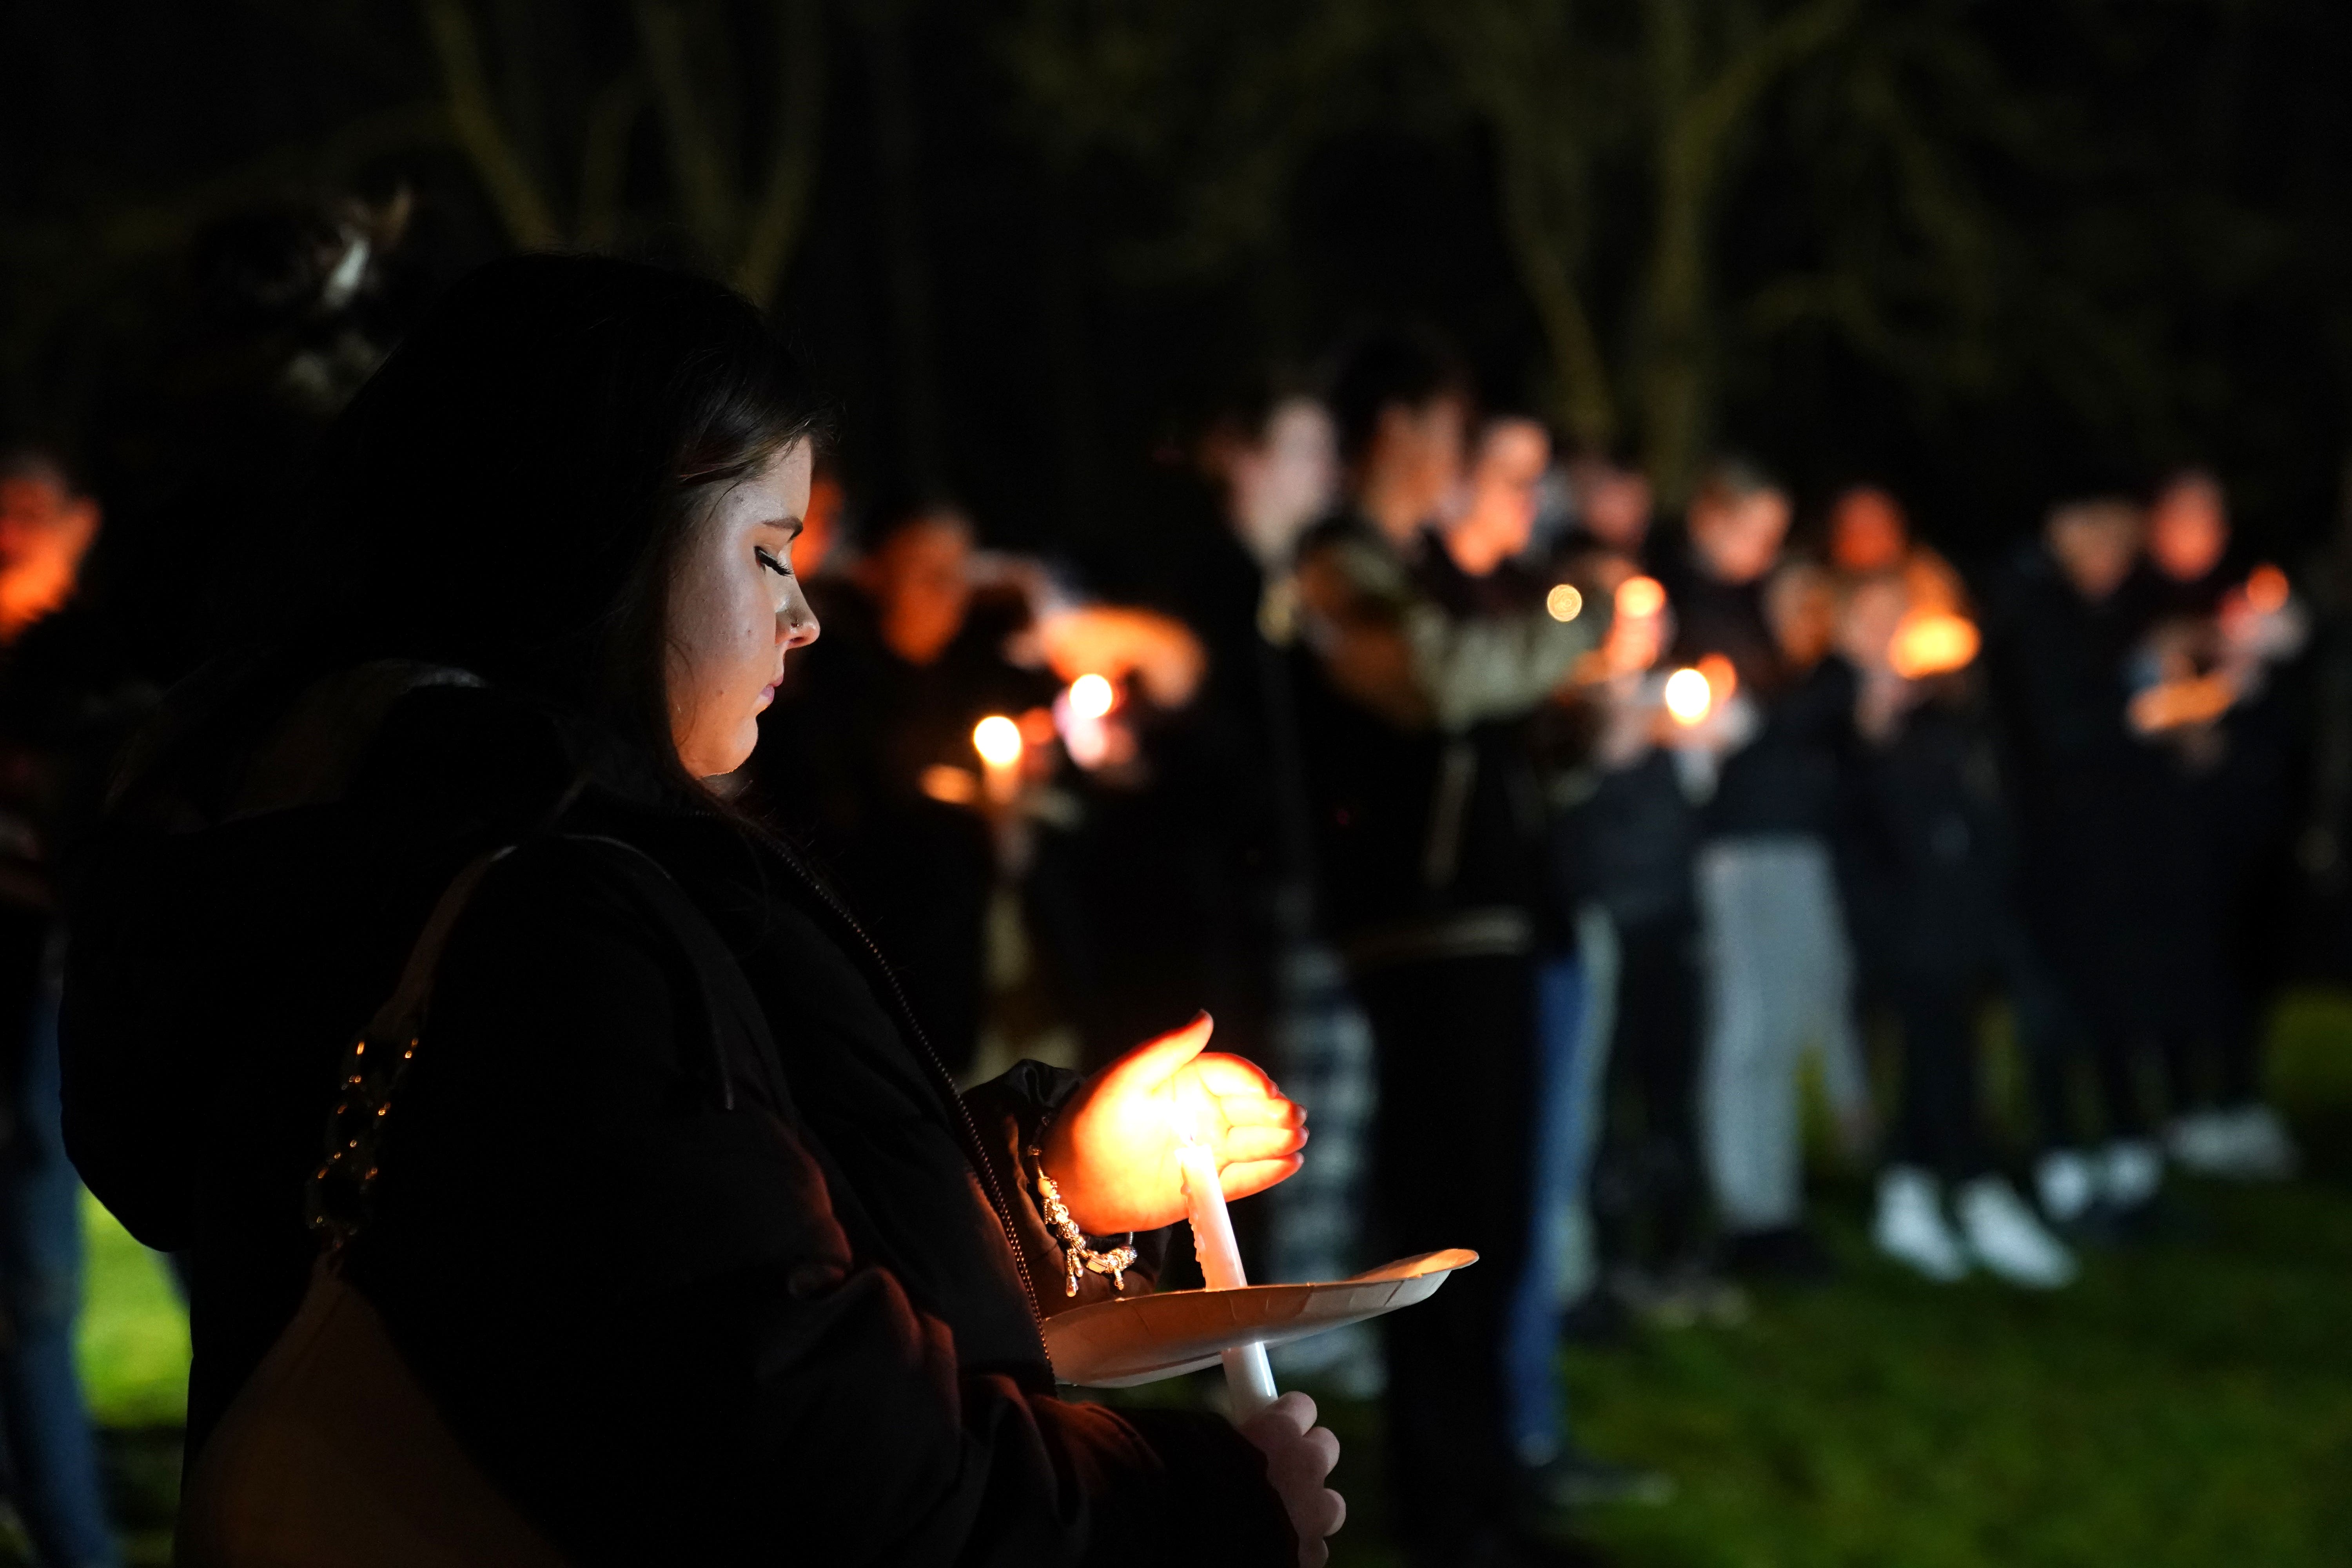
column 2189, row 1402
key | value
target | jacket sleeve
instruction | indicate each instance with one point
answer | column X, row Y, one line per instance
column 640, row 1313
column 1008, row 1111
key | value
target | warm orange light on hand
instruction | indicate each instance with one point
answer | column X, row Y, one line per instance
column 1113, row 1149
column 1932, row 643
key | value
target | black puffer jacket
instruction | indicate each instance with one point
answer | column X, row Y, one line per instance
column 698, row 1252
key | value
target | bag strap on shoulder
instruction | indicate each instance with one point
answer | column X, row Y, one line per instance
column 336, row 1203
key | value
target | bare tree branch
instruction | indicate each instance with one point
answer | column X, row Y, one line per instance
column 698, row 161
column 776, row 218
column 604, row 156
column 474, row 121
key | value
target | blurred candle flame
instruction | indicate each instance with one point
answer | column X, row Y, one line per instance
column 1091, row 697
column 998, row 740
column 1564, row 603
column 1931, row 643
column 2266, row 589
column 1722, row 676
column 1688, row 696
column 1639, row 598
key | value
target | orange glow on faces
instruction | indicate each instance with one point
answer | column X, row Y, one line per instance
column 1932, row 644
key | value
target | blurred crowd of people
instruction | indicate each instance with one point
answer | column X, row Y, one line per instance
column 1538, row 839
column 1538, row 844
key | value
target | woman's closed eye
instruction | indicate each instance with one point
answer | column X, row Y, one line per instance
column 772, row 563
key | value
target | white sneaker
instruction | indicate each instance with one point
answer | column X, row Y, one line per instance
column 1910, row 1227
column 2066, row 1185
column 2249, row 1143
column 2130, row 1171
column 2200, row 1142
column 2261, row 1148
column 2005, row 1237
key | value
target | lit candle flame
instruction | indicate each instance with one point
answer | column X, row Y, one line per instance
column 998, row 740
column 1091, row 697
column 1931, row 643
column 1689, row 696
column 1564, row 603
column 1639, row 598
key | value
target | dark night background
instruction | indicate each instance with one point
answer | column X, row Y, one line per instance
column 1991, row 253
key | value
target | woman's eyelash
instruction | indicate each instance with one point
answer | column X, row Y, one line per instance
column 771, row 563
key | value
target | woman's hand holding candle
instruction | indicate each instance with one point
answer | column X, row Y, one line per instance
column 1112, row 1151
column 1298, row 1458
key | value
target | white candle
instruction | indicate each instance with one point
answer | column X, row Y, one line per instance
column 1249, row 1378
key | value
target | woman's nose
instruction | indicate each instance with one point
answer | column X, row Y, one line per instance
column 799, row 622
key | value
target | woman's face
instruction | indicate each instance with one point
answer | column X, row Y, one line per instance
column 734, row 608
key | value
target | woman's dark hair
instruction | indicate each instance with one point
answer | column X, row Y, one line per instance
column 507, row 494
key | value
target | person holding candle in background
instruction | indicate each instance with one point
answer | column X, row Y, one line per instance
column 1779, row 969
column 1624, row 834
column 1413, row 705
column 2221, row 781
column 683, row 1240
column 1924, row 859
column 2058, row 628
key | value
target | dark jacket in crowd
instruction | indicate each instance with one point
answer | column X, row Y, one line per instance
column 1423, row 841
column 1785, row 780
column 2083, row 790
column 680, row 1224
column 1924, row 850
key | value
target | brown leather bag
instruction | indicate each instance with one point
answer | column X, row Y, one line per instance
column 332, row 1453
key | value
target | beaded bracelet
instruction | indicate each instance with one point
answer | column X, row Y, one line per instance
column 1078, row 1257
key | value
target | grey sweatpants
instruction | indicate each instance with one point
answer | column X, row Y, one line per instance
column 1779, row 977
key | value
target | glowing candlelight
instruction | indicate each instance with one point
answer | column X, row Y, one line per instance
column 1091, row 697
column 1639, row 598
column 1689, row 696
column 998, row 740
column 2266, row 589
column 1931, row 643
column 1564, row 603
column 1249, row 1378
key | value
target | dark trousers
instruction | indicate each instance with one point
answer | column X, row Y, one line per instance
column 1645, row 1192
column 2059, row 1031
column 1453, row 1041
column 1936, row 1122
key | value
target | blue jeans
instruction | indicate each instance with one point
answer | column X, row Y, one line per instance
column 1533, row 1408
column 52, row 1452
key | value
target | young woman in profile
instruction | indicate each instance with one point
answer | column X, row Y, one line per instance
column 693, row 1251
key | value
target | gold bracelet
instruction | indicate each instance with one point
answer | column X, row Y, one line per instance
column 1078, row 1257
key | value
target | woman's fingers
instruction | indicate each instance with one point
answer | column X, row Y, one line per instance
column 1240, row 1180
column 1260, row 1111
column 1299, row 1456
column 1222, row 1073
column 1247, row 1145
